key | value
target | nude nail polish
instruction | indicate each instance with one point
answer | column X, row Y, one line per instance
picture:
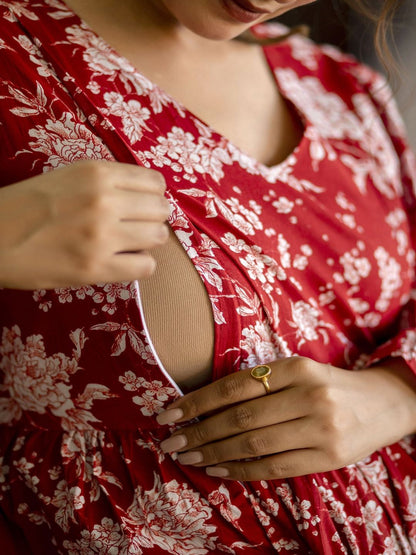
column 173, row 443
column 192, row 457
column 217, row 471
column 169, row 416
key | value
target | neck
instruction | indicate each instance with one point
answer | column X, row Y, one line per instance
column 147, row 19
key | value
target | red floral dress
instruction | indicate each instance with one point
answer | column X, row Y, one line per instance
column 314, row 256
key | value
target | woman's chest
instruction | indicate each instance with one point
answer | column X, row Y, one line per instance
column 239, row 99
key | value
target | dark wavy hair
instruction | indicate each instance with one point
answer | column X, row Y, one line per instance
column 383, row 18
column 379, row 12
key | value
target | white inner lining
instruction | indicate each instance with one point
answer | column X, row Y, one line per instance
column 149, row 340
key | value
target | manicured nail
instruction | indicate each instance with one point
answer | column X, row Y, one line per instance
column 192, row 457
column 173, row 443
column 169, row 416
column 217, row 471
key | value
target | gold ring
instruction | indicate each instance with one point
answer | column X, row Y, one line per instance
column 261, row 373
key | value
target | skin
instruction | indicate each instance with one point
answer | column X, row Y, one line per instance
column 318, row 417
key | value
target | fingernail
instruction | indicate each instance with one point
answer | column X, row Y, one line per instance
column 217, row 471
column 192, row 457
column 169, row 416
column 173, row 443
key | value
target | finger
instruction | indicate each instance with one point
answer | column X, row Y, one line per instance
column 275, row 467
column 117, row 268
column 131, row 237
column 227, row 391
column 119, row 175
column 128, row 205
column 127, row 267
column 287, row 404
column 136, row 178
column 287, row 436
column 143, row 206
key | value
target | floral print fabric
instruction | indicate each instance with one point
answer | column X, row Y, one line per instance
column 314, row 257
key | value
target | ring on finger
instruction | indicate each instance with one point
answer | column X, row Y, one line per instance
column 261, row 373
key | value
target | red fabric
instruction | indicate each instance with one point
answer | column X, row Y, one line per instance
column 313, row 257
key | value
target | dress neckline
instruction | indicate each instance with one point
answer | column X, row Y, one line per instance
column 264, row 169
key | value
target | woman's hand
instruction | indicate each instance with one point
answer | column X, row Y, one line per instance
column 90, row 222
column 317, row 418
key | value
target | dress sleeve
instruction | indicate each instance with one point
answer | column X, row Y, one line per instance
column 402, row 342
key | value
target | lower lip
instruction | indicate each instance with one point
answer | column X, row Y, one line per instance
column 238, row 13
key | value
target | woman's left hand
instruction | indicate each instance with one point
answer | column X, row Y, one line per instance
column 316, row 418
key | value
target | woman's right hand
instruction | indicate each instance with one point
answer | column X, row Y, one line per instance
column 90, row 222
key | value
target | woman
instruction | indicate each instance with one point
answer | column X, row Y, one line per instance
column 290, row 249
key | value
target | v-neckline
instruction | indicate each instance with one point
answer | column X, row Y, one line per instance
column 223, row 352
column 264, row 169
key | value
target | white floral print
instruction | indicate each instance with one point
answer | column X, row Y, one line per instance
column 170, row 516
column 313, row 256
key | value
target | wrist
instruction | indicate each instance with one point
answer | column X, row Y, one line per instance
column 398, row 382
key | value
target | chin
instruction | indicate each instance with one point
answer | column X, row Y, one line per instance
column 216, row 30
column 205, row 18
